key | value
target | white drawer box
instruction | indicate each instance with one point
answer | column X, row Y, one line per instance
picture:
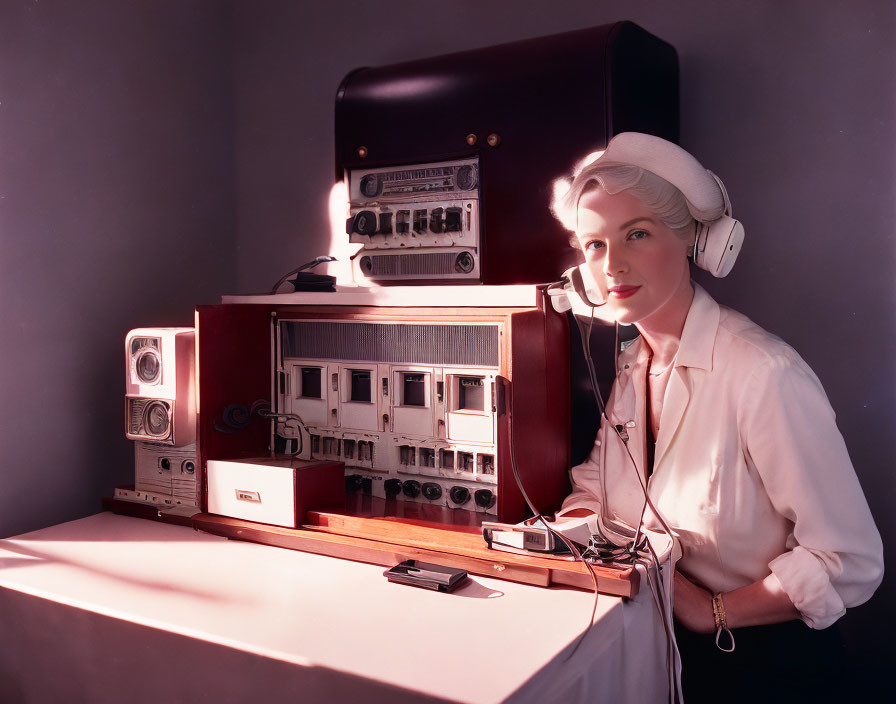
column 278, row 492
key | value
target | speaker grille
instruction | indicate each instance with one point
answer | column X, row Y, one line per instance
column 136, row 419
column 391, row 342
column 412, row 265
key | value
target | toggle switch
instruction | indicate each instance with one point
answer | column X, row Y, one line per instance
column 436, row 220
column 392, row 487
column 402, row 221
column 385, row 227
column 453, row 222
column 419, row 221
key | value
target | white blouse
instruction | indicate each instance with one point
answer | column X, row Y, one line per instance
column 750, row 470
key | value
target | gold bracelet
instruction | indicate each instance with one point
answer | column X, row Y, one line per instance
column 718, row 614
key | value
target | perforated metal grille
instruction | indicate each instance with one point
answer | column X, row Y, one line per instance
column 412, row 264
column 391, row 342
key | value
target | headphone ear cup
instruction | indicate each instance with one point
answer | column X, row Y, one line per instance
column 717, row 244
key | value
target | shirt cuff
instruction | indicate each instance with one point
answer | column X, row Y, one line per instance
column 808, row 584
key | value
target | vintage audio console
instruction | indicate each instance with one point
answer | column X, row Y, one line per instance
column 450, row 160
column 160, row 415
column 424, row 405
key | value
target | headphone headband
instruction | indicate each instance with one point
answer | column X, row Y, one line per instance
column 704, row 192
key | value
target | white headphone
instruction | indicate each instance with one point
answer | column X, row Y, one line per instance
column 719, row 237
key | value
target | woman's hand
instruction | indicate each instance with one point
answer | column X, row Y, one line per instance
column 693, row 606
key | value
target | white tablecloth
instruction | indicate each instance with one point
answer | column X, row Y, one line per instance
column 117, row 609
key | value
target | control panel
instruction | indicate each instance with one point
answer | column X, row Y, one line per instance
column 423, row 431
column 416, row 222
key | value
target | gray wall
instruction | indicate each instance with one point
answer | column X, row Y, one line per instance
column 791, row 103
column 155, row 154
column 116, row 211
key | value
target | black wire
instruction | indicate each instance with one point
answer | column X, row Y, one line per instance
column 670, row 635
column 577, row 555
column 300, row 424
column 670, row 638
column 602, row 406
column 307, row 265
column 599, row 399
column 589, row 363
column 586, row 348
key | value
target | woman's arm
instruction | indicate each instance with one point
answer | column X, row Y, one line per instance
column 756, row 604
column 834, row 556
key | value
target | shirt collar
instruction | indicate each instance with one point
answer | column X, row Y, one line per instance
column 699, row 334
column 697, row 337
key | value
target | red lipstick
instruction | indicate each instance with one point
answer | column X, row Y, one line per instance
column 623, row 291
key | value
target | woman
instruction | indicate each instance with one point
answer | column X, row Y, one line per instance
column 732, row 433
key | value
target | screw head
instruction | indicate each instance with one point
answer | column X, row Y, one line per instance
column 362, row 152
column 472, row 139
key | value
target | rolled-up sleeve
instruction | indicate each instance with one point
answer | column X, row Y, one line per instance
column 835, row 555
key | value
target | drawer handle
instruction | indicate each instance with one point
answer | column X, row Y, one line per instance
column 242, row 495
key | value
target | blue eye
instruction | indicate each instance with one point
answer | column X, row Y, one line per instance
column 594, row 245
column 638, row 235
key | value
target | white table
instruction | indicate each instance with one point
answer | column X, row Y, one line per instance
column 117, row 609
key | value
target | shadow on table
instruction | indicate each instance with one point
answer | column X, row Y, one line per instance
column 29, row 557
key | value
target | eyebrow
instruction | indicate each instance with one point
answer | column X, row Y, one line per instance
column 633, row 221
column 628, row 224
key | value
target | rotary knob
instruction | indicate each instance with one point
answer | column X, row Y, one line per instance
column 431, row 491
column 459, row 495
column 364, row 223
column 411, row 489
column 484, row 498
column 464, row 263
column 370, row 186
